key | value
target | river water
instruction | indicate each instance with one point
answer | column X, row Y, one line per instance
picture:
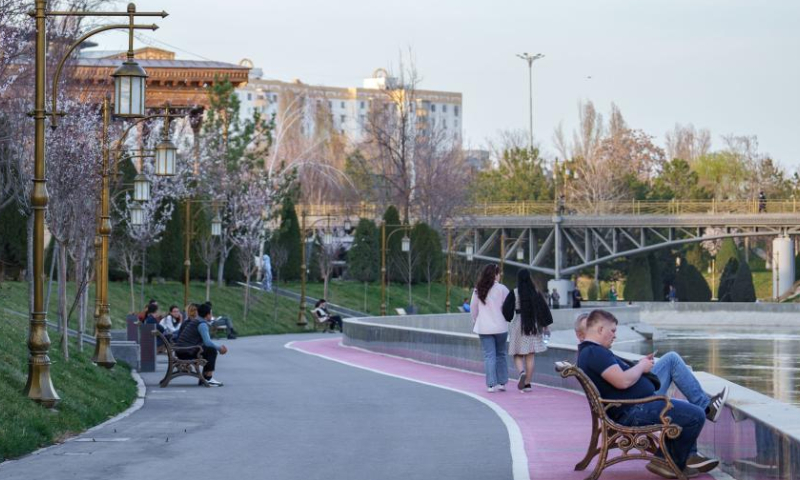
column 765, row 361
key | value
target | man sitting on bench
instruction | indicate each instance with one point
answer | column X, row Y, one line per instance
column 195, row 333
column 323, row 316
column 619, row 379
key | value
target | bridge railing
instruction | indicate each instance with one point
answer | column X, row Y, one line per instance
column 546, row 208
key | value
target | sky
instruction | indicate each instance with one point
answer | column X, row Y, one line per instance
column 730, row 66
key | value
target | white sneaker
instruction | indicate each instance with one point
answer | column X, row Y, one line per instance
column 490, row 389
column 714, row 409
column 502, row 387
column 214, row 383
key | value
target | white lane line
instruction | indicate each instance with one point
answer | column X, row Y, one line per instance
column 519, row 459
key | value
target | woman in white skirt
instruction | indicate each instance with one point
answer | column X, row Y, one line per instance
column 532, row 318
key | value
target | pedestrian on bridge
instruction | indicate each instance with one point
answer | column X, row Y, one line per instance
column 762, row 202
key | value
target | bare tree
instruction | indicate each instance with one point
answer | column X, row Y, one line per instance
column 208, row 248
column 687, row 143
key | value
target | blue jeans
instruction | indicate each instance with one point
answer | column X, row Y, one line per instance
column 494, row 358
column 690, row 417
column 671, row 368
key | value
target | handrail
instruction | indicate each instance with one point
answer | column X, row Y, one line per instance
column 547, row 208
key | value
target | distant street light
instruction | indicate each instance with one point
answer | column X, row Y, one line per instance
column 530, row 59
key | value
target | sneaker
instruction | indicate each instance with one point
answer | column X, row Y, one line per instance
column 702, row 463
column 714, row 409
column 502, row 387
column 214, row 383
column 521, row 383
column 527, row 388
column 232, row 337
column 490, row 389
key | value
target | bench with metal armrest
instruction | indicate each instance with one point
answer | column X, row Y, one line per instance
column 634, row 443
column 178, row 367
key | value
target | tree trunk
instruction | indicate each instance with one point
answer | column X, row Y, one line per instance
column 50, row 283
column 365, row 297
column 144, row 275
column 246, row 294
column 133, row 295
column 325, row 287
column 208, row 282
column 62, row 300
column 82, row 317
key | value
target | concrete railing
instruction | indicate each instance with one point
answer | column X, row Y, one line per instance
column 756, row 435
column 714, row 314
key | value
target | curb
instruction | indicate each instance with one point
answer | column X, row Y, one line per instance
column 141, row 392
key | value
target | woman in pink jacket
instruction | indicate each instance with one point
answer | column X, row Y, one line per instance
column 486, row 309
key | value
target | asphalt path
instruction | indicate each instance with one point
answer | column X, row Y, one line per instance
column 285, row 415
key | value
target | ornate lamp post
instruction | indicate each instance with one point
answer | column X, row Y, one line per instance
column 405, row 247
column 327, row 239
column 216, row 231
column 141, row 193
column 39, row 386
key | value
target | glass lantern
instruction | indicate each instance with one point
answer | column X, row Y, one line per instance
column 216, row 226
column 347, row 225
column 520, row 254
column 470, row 251
column 406, row 244
column 129, row 89
column 137, row 215
column 327, row 238
column 141, row 188
column 165, row 158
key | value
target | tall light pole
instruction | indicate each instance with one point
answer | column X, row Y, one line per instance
column 129, row 82
column 530, row 59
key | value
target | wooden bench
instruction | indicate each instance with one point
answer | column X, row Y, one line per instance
column 218, row 329
column 178, row 367
column 634, row 443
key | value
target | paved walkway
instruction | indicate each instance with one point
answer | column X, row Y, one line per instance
column 304, row 412
column 283, row 415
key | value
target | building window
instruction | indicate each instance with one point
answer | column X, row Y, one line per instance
column 455, row 110
column 249, row 96
column 343, row 118
column 433, row 107
column 361, row 120
column 342, row 105
column 444, row 108
column 444, row 123
column 362, row 104
column 330, row 104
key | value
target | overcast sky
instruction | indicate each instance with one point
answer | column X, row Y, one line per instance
column 727, row 65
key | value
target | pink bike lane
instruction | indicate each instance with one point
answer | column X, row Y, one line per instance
column 549, row 428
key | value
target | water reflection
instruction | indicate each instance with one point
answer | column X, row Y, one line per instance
column 764, row 360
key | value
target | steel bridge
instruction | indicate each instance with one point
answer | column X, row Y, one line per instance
column 562, row 239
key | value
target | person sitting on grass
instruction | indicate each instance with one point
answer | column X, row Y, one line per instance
column 617, row 378
column 223, row 322
column 323, row 316
column 465, row 304
column 195, row 334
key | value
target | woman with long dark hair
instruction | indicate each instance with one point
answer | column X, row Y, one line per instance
column 525, row 332
column 486, row 308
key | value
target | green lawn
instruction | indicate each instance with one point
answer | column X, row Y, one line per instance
column 351, row 294
column 264, row 316
column 89, row 394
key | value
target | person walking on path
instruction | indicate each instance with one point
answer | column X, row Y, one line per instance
column 531, row 320
column 486, row 308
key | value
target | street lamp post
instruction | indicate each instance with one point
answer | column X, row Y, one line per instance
column 713, row 272
column 327, row 240
column 530, row 59
column 449, row 269
column 39, row 386
column 216, row 231
column 405, row 247
column 102, row 314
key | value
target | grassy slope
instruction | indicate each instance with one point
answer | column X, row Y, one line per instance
column 350, row 294
column 89, row 394
column 263, row 317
